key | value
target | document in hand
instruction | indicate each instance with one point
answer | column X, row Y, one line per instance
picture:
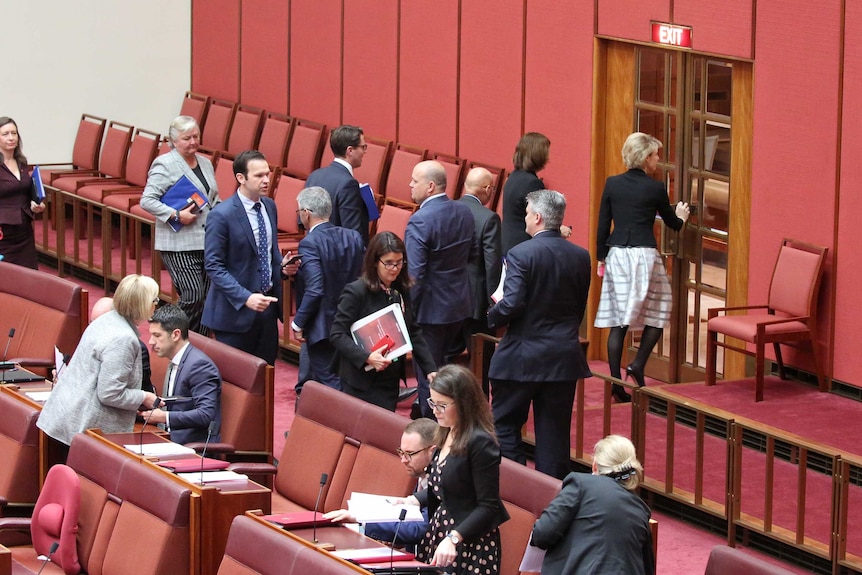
column 369, row 508
column 38, row 189
column 370, row 205
column 387, row 322
column 182, row 195
column 498, row 293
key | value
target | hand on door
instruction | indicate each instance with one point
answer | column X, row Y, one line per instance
column 682, row 211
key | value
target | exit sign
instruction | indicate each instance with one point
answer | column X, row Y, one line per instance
column 671, row 35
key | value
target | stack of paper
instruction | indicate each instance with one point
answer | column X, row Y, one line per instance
column 368, row 508
column 160, row 449
column 212, row 476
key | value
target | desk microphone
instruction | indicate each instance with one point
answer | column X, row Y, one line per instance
column 210, row 432
column 323, row 478
column 6, row 351
column 54, row 547
column 146, row 421
column 401, row 517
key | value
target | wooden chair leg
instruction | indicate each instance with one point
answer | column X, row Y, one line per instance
column 777, row 347
column 711, row 368
column 822, row 384
column 758, row 373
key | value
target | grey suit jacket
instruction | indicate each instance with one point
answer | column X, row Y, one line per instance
column 484, row 268
column 166, row 170
column 101, row 386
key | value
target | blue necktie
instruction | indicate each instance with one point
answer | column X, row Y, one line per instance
column 262, row 251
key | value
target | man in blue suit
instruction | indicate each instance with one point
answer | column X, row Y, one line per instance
column 348, row 209
column 540, row 359
column 191, row 374
column 439, row 241
column 331, row 258
column 242, row 259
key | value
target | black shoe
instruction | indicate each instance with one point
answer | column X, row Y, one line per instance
column 620, row 394
column 415, row 411
column 407, row 393
column 636, row 374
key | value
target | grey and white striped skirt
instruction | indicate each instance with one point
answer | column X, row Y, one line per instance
column 635, row 289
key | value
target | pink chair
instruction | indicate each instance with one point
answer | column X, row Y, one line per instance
column 789, row 317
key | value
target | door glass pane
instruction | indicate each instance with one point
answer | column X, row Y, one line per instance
column 651, row 67
column 697, row 85
column 718, row 76
column 652, row 123
column 717, row 147
column 669, row 151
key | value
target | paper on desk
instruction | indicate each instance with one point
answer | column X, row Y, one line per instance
column 533, row 558
column 212, row 476
column 38, row 396
column 160, row 449
column 369, row 508
column 376, row 553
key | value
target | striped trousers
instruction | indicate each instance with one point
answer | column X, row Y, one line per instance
column 191, row 282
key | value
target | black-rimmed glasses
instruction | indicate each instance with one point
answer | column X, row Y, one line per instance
column 408, row 455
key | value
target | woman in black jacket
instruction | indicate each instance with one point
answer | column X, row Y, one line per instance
column 463, row 494
column 384, row 281
column 635, row 288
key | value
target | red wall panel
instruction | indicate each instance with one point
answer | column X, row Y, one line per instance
column 631, row 20
column 718, row 26
column 491, row 96
column 315, row 60
column 428, row 75
column 215, row 48
column 849, row 277
column 264, row 54
column 794, row 159
column 371, row 66
column 558, row 102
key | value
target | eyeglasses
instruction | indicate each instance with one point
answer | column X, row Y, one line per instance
column 441, row 407
column 304, row 210
column 392, row 265
column 363, row 147
column 408, row 455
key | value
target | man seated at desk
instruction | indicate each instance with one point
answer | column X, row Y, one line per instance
column 192, row 377
column 417, row 448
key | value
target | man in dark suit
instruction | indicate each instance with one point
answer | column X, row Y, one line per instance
column 540, row 358
column 485, row 266
column 348, row 209
column 242, row 259
column 191, row 374
column 331, row 258
column 439, row 242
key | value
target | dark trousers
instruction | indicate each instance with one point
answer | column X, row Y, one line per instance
column 439, row 338
column 304, row 368
column 321, row 356
column 191, row 282
column 474, row 326
column 552, row 416
column 261, row 339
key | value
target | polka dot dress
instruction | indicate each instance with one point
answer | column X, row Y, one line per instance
column 480, row 557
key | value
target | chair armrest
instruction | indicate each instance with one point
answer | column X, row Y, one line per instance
column 714, row 311
column 15, row 524
column 33, row 362
column 103, row 180
column 125, row 190
column 212, row 447
column 251, row 468
column 761, row 325
column 60, row 173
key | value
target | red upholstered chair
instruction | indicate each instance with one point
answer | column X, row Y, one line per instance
column 394, row 219
column 274, row 138
column 375, row 166
column 788, row 318
column 219, row 119
column 55, row 518
column 112, row 161
column 245, row 130
column 499, row 175
column 304, row 149
column 404, row 159
column 225, row 178
column 85, row 153
column 195, row 105
column 454, row 173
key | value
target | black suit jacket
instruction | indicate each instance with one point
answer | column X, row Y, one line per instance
column 470, row 485
column 631, row 200
column 595, row 526
column 518, row 185
column 198, row 378
column 544, row 298
column 484, row 267
column 356, row 302
column 348, row 208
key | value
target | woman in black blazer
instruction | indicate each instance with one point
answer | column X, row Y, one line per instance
column 598, row 524
column 384, row 281
column 635, row 288
column 463, row 493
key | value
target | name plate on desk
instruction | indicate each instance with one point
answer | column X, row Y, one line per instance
column 160, row 449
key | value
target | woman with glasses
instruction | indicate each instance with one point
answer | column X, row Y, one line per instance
column 463, row 493
column 597, row 523
column 383, row 281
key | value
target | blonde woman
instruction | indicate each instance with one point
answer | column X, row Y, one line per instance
column 597, row 523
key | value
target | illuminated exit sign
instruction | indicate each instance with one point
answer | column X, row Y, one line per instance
column 671, row 35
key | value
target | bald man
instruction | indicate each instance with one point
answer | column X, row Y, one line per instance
column 439, row 241
column 485, row 266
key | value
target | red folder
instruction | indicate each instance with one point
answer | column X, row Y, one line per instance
column 193, row 464
column 297, row 519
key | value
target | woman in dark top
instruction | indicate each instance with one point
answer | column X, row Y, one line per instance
column 384, row 281
column 635, row 288
column 463, row 493
column 598, row 524
column 17, row 209
column 531, row 156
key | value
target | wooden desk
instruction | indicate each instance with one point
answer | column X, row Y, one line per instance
column 213, row 506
